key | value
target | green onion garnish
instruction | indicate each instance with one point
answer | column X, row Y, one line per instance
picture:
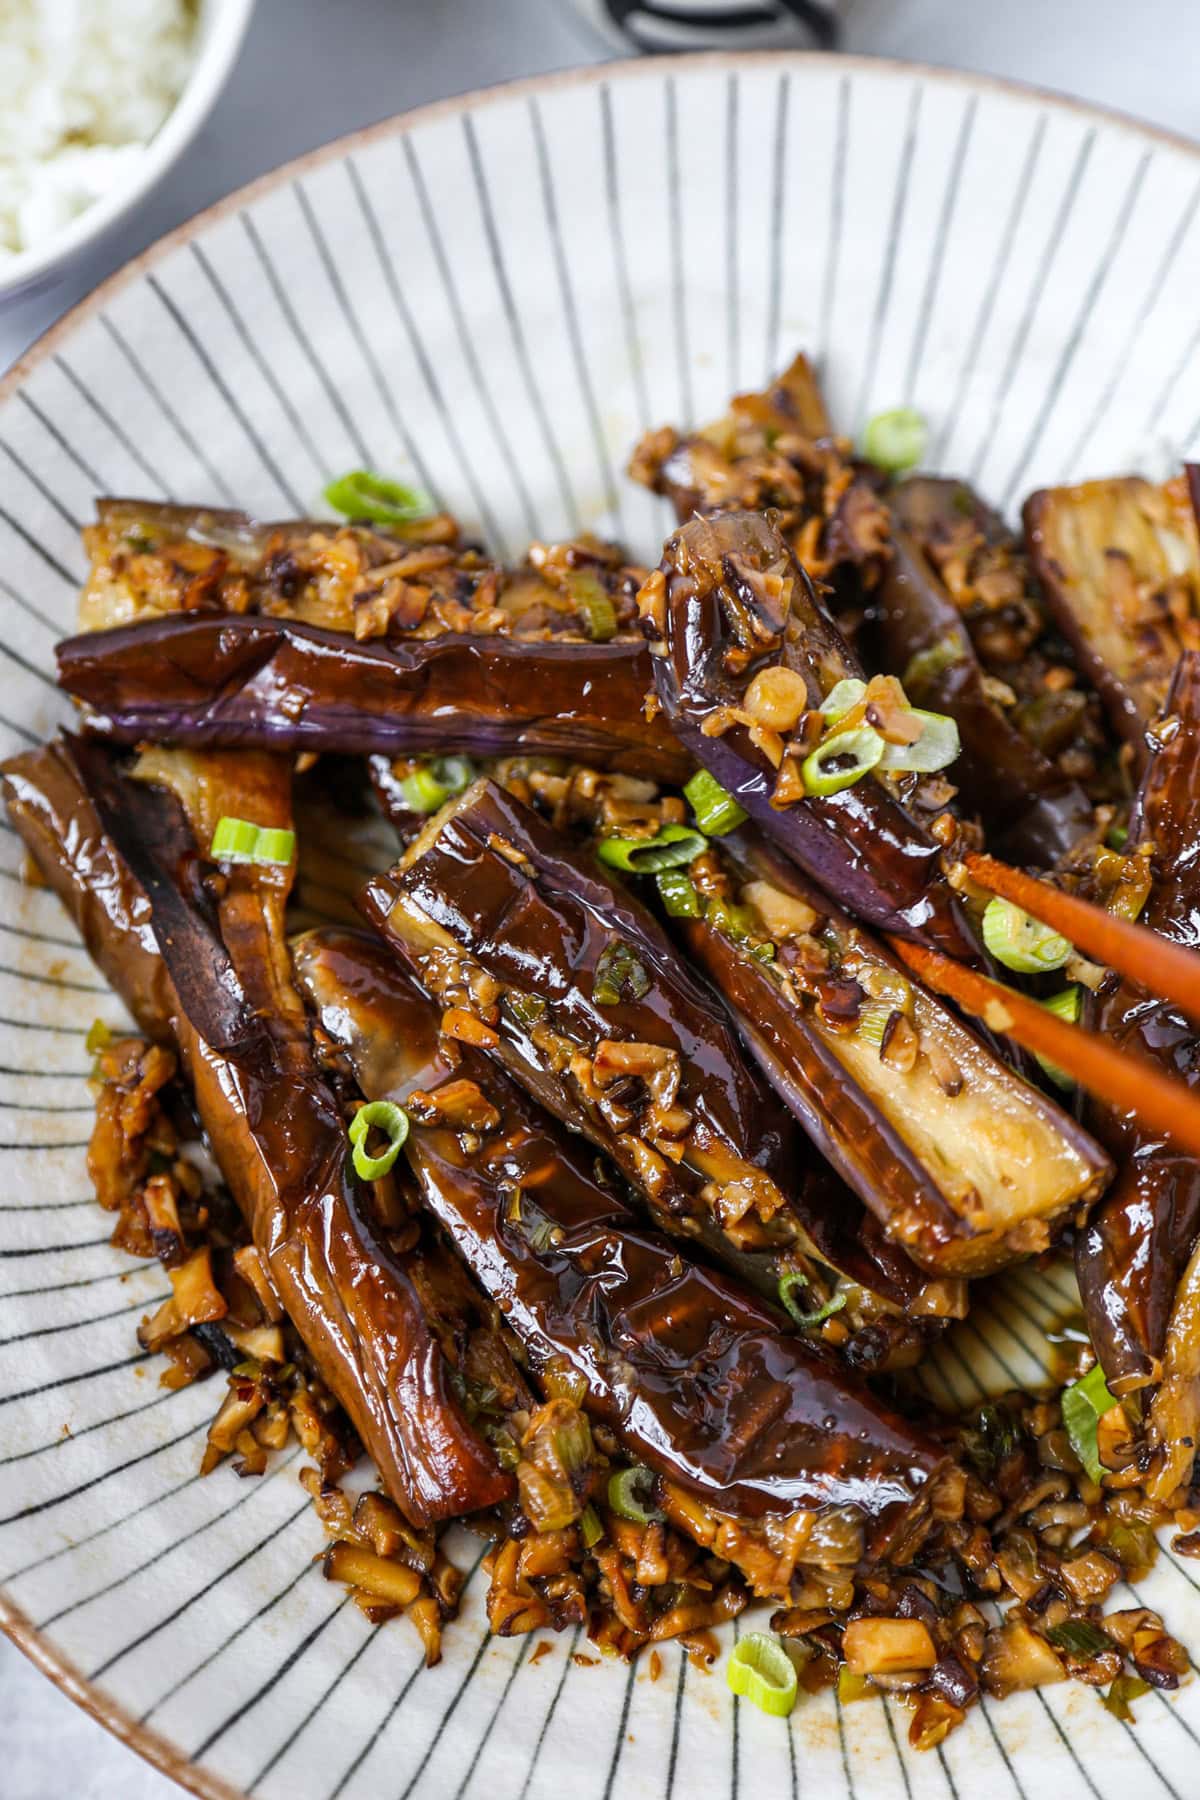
column 1079, row 1637
column 386, row 1116
column 677, row 891
column 1084, row 1404
column 99, row 1037
column 1064, row 1006
column 937, row 747
column 841, row 760
column 590, row 1528
column 630, row 1495
column 422, row 792
column 240, row 841
column 1117, row 838
column 842, row 698
column 716, row 811
column 595, row 605
column 1124, row 1689
column 788, row 1284
column 895, row 440
column 1020, row 942
column 670, row 848
column 364, row 495
column 619, row 976
column 455, row 773
column 761, row 1670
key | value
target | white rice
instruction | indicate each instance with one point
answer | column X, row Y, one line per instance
column 84, row 85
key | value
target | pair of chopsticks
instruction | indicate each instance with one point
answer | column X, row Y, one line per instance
column 1161, row 968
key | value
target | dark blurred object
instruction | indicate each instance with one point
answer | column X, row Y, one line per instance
column 659, row 25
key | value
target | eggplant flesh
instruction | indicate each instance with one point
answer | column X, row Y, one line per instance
column 1132, row 1255
column 122, row 854
column 694, row 1375
column 966, row 1165
column 734, row 601
column 1119, row 564
column 1030, row 811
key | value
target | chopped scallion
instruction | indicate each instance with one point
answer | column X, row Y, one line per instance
column 841, row 760
column 385, row 1116
column 671, row 847
column 895, row 440
column 99, row 1037
column 364, row 495
column 619, row 976
column 422, row 792
column 788, row 1284
column 241, row 841
column 631, row 1495
column 677, row 891
column 590, row 1528
column 842, row 698
column 716, row 811
column 1064, row 1006
column 1084, row 1404
column 1079, row 1637
column 454, row 773
column 1021, row 942
column 595, row 605
column 761, row 1670
column 937, row 747
column 1124, row 1689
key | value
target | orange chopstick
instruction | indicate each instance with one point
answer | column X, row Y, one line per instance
column 1125, row 1081
column 1168, row 971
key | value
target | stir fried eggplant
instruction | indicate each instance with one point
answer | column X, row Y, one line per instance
column 728, row 604
column 207, row 629
column 1020, row 795
column 777, row 449
column 1132, row 1255
column 218, row 970
column 966, row 1165
column 1119, row 564
column 694, row 1375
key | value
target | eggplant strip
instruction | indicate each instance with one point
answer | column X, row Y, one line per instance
column 278, row 684
column 966, row 1165
column 729, row 601
column 107, row 842
column 693, row 1374
column 572, row 985
column 1132, row 1255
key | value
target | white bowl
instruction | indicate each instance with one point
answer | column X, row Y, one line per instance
column 491, row 297
column 222, row 26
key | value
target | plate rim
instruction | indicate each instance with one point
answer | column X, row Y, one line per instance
column 161, row 1752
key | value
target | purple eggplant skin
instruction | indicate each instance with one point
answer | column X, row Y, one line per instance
column 272, row 1123
column 737, row 601
column 1029, row 810
column 771, row 1424
column 1132, row 1253
column 875, row 1132
column 249, row 682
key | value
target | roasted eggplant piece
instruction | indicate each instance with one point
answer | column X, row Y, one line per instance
column 206, row 680
column 125, row 850
column 728, row 603
column 777, row 449
column 1029, row 809
column 1119, row 564
column 1137, row 1243
column 965, row 1165
column 694, row 1375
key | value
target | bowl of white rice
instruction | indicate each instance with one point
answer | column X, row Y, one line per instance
column 97, row 99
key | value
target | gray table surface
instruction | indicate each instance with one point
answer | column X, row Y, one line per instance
column 313, row 69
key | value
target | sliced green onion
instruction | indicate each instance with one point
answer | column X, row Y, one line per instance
column 386, row 1116
column 937, row 746
column 895, row 440
column 841, row 760
column 1064, row 1006
column 594, row 603
column 926, row 665
column 364, row 495
column 677, row 891
column 1079, row 1637
column 842, row 698
column 422, row 792
column 1084, row 1404
column 630, row 1495
column 716, row 811
column 788, row 1284
column 590, row 1528
column 454, row 773
column 668, row 849
column 873, row 1022
column 1020, row 942
column 761, row 1670
column 526, row 1009
column 99, row 1037
column 1117, row 838
column 240, row 841
column 1124, row 1689
column 619, row 976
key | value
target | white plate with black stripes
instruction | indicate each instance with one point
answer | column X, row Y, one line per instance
column 494, row 297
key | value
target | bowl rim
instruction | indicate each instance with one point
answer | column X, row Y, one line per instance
column 52, row 1661
column 221, row 34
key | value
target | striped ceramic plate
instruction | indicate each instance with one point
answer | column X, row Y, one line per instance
column 494, row 297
